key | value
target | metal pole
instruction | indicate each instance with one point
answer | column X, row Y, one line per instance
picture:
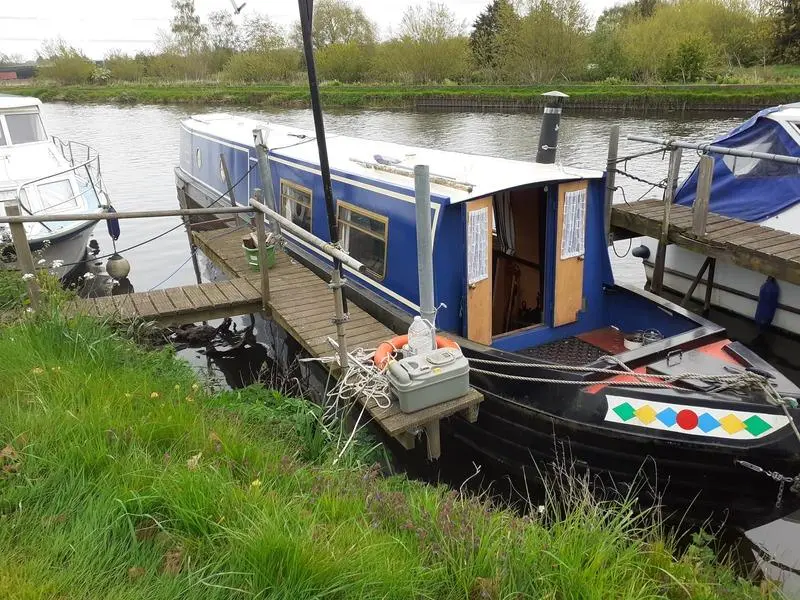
column 326, row 247
column 422, row 194
column 337, row 285
column 141, row 214
column 24, row 256
column 611, row 177
column 712, row 149
column 261, row 240
column 306, row 20
column 669, row 196
column 265, row 171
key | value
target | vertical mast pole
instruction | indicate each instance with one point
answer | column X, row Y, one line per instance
column 306, row 19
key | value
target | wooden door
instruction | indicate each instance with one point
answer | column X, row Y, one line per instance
column 479, row 270
column 569, row 252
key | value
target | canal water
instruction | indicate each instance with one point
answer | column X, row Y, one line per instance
column 139, row 149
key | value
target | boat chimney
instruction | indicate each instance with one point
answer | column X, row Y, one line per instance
column 422, row 194
column 548, row 136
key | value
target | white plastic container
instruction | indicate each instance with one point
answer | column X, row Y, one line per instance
column 421, row 338
column 422, row 381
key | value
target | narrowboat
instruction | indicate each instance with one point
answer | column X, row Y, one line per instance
column 631, row 387
column 46, row 176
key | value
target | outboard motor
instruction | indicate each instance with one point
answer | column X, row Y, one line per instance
column 548, row 137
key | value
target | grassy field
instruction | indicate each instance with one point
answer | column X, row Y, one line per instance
column 122, row 477
column 599, row 96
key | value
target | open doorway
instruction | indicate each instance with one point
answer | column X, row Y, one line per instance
column 518, row 259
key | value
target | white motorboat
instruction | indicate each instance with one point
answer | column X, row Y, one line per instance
column 46, row 176
column 754, row 190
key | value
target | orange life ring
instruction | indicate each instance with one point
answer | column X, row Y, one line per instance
column 386, row 349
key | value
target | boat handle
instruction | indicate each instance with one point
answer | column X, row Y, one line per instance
column 675, row 354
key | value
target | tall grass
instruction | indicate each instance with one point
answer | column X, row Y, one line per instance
column 121, row 477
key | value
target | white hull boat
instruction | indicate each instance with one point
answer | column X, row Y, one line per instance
column 46, row 176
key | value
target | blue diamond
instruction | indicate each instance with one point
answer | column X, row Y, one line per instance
column 667, row 417
column 707, row 423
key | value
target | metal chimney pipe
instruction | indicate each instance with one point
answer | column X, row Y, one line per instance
column 422, row 194
column 548, row 136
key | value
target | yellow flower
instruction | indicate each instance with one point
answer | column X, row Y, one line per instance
column 128, row 395
column 195, row 387
column 189, row 399
column 177, row 388
column 154, row 395
column 37, row 370
column 256, row 483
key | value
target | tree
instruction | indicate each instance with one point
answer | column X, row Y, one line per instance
column 787, row 31
column 337, row 22
column 431, row 24
column 223, row 33
column 261, row 34
column 189, row 33
column 483, row 40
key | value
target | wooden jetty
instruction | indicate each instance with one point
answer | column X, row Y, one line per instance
column 749, row 245
column 291, row 294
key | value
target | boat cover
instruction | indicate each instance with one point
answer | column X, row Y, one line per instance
column 746, row 188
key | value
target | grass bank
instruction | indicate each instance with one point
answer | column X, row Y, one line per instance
column 122, row 477
column 506, row 98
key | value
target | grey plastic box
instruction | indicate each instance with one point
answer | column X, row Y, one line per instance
column 422, row 381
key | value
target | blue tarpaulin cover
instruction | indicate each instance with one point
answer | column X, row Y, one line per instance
column 747, row 188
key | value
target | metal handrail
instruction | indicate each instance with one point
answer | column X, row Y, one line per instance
column 85, row 164
column 712, row 149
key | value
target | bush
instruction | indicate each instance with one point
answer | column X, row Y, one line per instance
column 68, row 69
column 175, row 66
column 251, row 67
column 344, row 62
column 125, row 68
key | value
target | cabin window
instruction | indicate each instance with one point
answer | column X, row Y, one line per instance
column 24, row 128
column 296, row 204
column 363, row 235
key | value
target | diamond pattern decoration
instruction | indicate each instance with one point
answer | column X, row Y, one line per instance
column 731, row 423
column 712, row 422
column 646, row 414
column 707, row 423
column 668, row 417
column 756, row 425
column 625, row 411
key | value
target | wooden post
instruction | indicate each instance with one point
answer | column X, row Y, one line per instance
column 611, row 176
column 24, row 256
column 695, row 282
column 229, row 183
column 669, row 195
column 433, row 438
column 261, row 237
column 709, row 285
column 187, row 222
column 702, row 196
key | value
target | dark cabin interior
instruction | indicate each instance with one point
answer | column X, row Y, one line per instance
column 518, row 259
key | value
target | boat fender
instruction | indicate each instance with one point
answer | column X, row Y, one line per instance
column 642, row 252
column 767, row 302
column 113, row 225
column 386, row 349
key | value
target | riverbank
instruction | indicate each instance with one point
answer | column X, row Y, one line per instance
column 636, row 98
column 122, row 475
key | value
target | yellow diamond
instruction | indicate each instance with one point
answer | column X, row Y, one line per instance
column 732, row 424
column 646, row 414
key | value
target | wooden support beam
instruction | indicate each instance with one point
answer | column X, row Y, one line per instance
column 702, row 196
column 611, row 174
column 709, row 285
column 657, row 282
column 187, row 222
column 697, row 279
column 24, row 256
column 433, row 437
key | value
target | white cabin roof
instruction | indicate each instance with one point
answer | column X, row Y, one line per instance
column 455, row 175
column 11, row 101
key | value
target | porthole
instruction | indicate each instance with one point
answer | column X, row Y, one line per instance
column 198, row 159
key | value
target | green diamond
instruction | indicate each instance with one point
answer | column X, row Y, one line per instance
column 625, row 411
column 756, row 425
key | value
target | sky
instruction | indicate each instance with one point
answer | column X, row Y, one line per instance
column 97, row 26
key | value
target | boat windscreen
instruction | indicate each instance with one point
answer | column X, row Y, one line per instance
column 2, row 137
column 24, row 128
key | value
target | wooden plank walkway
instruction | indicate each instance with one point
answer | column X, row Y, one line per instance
column 302, row 304
column 748, row 245
column 176, row 306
